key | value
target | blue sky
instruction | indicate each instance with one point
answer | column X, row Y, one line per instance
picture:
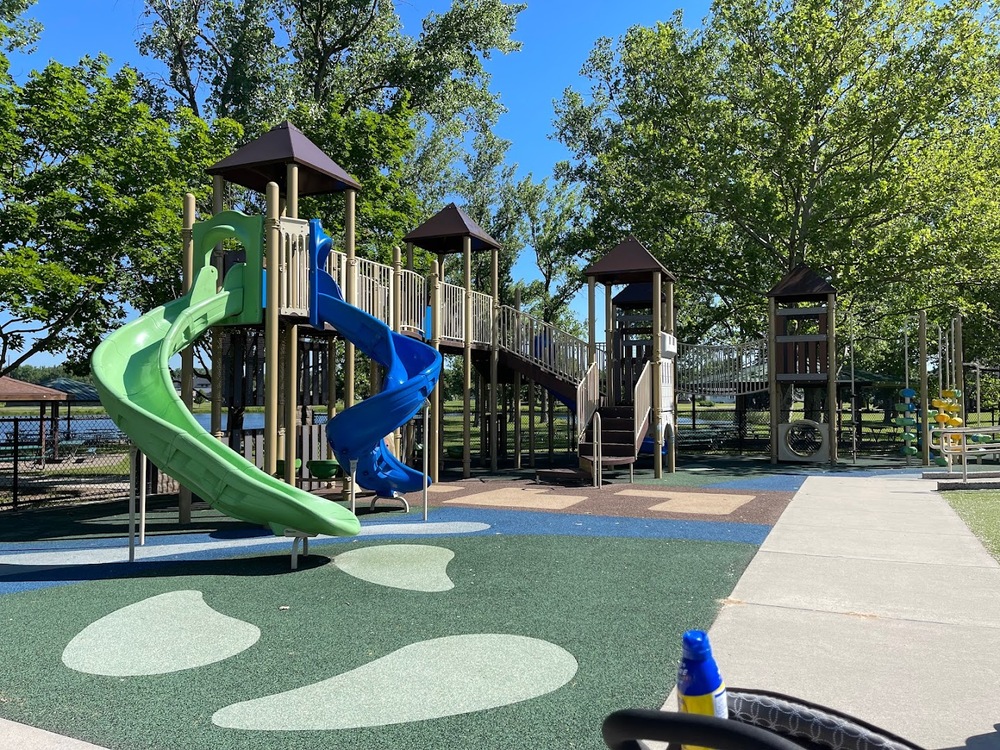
column 556, row 35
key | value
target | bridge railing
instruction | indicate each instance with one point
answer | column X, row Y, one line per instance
column 542, row 344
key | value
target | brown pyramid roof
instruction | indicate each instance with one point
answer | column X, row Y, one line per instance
column 443, row 233
column 18, row 391
column 628, row 262
column 802, row 284
column 637, row 296
column 264, row 160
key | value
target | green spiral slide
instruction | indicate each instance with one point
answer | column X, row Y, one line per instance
column 132, row 374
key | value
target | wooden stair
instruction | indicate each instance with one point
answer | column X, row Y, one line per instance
column 617, row 437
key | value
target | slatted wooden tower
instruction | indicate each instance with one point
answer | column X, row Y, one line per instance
column 802, row 354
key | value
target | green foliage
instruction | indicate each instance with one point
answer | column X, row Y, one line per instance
column 854, row 136
column 393, row 109
column 39, row 375
column 556, row 234
column 92, row 187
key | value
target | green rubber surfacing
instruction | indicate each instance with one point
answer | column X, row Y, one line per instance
column 617, row 605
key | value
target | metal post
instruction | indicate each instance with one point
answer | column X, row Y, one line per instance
column 142, row 497
column 187, row 356
column 427, row 405
column 354, row 484
column 925, row 429
column 131, row 501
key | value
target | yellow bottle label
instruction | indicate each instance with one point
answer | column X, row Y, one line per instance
column 712, row 704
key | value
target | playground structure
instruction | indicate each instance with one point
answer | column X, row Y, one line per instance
column 620, row 392
column 288, row 283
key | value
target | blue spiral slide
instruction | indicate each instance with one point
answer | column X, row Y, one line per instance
column 412, row 370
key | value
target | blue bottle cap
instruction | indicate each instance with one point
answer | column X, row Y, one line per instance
column 695, row 645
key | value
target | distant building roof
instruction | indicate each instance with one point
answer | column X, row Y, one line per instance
column 443, row 233
column 18, row 391
column 802, row 284
column 78, row 391
column 264, row 160
column 627, row 262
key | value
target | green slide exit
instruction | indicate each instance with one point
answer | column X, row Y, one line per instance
column 132, row 374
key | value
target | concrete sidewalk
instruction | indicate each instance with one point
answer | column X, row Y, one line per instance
column 871, row 596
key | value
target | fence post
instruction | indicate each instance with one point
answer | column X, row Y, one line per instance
column 17, row 460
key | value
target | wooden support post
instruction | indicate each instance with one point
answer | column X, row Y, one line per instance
column 831, row 378
column 517, row 396
column 591, row 322
column 432, row 441
column 351, row 295
column 772, row 374
column 531, row 423
column 657, row 384
column 218, row 332
column 494, row 356
column 467, row 359
column 291, row 379
column 272, row 227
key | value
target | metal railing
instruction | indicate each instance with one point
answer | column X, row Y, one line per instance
column 452, row 312
column 412, row 303
column 543, row 344
column 375, row 289
column 722, row 369
column 482, row 318
column 963, row 443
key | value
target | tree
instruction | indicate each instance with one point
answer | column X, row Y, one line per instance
column 91, row 196
column 352, row 80
column 556, row 235
column 854, row 135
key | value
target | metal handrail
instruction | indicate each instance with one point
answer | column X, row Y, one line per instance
column 963, row 448
column 598, row 452
column 543, row 344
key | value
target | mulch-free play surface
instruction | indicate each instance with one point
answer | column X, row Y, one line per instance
column 608, row 579
column 618, row 605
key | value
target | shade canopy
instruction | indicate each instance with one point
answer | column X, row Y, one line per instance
column 266, row 159
column 444, row 232
column 626, row 263
column 19, row 392
column 802, row 284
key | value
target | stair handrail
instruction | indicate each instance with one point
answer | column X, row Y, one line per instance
column 543, row 344
column 588, row 398
column 642, row 400
column 598, row 463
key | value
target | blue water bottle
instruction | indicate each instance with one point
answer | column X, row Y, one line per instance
column 700, row 689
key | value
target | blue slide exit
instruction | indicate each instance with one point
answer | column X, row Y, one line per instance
column 413, row 368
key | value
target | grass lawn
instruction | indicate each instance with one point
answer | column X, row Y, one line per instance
column 980, row 509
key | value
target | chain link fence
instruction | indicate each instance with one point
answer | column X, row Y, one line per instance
column 78, row 459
